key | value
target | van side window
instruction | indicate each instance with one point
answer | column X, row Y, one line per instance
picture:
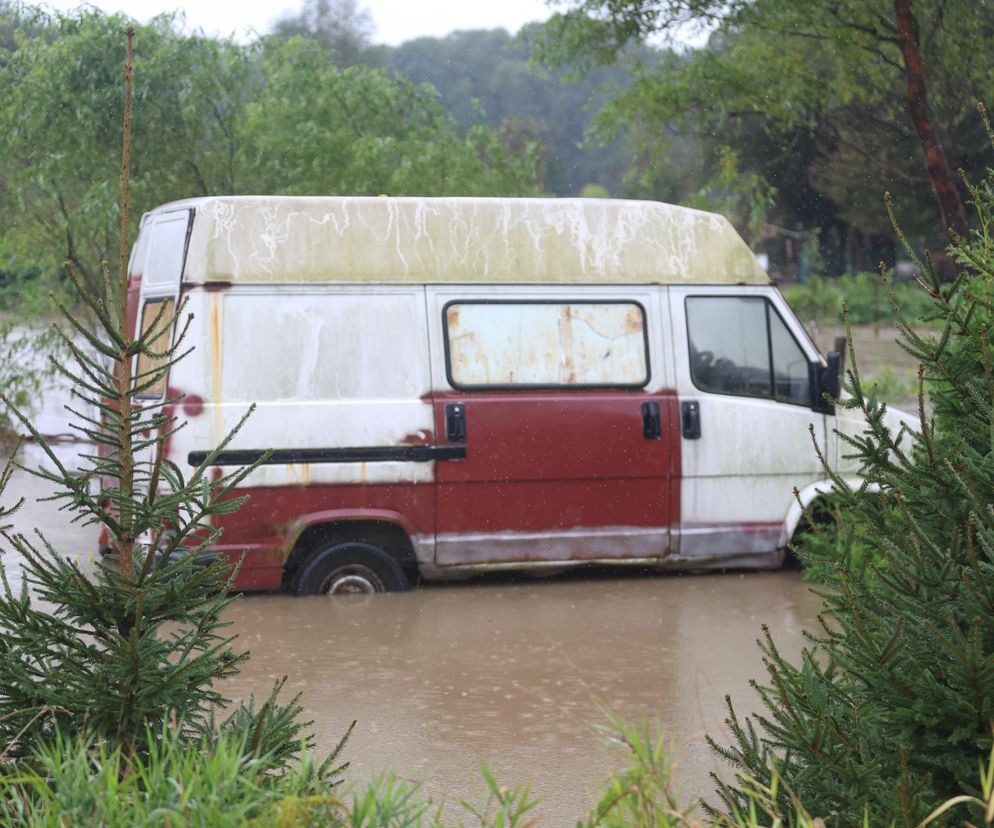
column 313, row 346
column 546, row 344
column 739, row 345
column 157, row 314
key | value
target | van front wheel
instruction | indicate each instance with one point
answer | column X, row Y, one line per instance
column 350, row 568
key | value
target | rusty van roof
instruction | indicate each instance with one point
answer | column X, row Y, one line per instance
column 265, row 239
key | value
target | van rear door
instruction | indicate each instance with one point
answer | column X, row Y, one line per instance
column 570, row 441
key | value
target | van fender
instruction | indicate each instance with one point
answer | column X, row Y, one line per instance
column 804, row 498
column 304, row 522
column 809, row 494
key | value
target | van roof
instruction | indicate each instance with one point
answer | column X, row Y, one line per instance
column 265, row 239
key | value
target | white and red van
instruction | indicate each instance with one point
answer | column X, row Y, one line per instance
column 460, row 385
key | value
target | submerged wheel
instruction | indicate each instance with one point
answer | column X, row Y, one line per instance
column 349, row 568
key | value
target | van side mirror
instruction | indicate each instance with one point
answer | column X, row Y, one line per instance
column 833, row 374
column 828, row 383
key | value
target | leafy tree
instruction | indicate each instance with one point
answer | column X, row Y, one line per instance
column 342, row 29
column 212, row 116
column 839, row 87
column 59, row 125
column 890, row 709
column 316, row 128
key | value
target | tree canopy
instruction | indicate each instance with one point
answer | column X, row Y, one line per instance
column 343, row 30
column 212, row 116
column 816, row 97
column 793, row 119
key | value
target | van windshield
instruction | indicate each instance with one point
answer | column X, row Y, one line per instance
column 739, row 345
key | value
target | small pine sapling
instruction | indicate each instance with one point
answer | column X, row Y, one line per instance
column 112, row 654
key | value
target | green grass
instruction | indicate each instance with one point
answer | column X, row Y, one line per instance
column 221, row 785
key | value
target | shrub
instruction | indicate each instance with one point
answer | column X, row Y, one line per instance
column 169, row 780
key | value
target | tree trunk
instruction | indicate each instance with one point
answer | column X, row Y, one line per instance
column 940, row 177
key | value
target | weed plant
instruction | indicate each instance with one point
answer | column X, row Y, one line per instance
column 171, row 781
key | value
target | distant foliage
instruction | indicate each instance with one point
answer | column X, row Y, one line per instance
column 865, row 296
column 487, row 74
column 24, row 371
column 343, row 29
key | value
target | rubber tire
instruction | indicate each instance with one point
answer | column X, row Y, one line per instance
column 350, row 557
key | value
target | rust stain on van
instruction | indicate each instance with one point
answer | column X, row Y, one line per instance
column 568, row 366
column 633, row 322
column 469, row 361
column 420, row 437
column 298, row 473
column 216, row 385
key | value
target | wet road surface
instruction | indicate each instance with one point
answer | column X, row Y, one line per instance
column 508, row 672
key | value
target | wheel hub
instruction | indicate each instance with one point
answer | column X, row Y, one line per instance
column 356, row 580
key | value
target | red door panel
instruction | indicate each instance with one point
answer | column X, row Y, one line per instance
column 557, row 476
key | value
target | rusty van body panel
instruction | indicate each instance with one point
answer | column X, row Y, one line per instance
column 456, row 385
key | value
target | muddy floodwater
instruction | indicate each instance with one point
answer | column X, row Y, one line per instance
column 509, row 672
column 512, row 673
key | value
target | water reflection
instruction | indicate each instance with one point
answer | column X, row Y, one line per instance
column 511, row 672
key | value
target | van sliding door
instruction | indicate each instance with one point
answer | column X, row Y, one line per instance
column 569, row 442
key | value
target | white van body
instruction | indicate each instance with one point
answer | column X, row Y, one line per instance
column 456, row 385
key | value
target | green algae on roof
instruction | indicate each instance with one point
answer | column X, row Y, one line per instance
column 266, row 239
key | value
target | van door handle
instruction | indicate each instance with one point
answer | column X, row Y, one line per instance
column 651, row 426
column 690, row 419
column 455, row 423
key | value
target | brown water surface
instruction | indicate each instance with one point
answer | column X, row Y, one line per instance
column 511, row 673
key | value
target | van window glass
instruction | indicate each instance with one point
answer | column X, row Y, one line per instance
column 163, row 267
column 739, row 345
column 311, row 347
column 791, row 381
column 546, row 344
column 729, row 348
column 163, row 325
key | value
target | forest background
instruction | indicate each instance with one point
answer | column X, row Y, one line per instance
column 791, row 118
